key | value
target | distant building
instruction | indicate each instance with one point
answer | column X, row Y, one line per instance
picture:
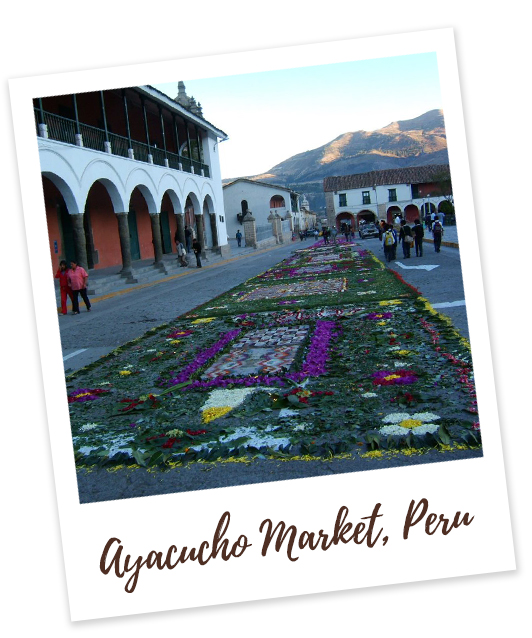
column 122, row 171
column 304, row 219
column 383, row 194
column 262, row 200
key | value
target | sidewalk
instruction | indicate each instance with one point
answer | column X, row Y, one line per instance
column 450, row 237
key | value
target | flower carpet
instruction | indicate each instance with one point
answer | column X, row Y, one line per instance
column 328, row 354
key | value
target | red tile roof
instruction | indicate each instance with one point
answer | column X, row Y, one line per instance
column 408, row 175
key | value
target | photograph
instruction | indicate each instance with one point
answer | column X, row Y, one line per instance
column 265, row 366
column 307, row 343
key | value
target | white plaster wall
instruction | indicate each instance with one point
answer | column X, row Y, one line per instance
column 380, row 197
column 258, row 199
column 74, row 170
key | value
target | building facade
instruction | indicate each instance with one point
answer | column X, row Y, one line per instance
column 381, row 195
column 122, row 171
column 262, row 199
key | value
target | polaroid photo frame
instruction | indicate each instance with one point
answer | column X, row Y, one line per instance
column 157, row 523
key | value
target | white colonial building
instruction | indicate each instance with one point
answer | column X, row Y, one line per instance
column 125, row 170
column 381, row 195
column 263, row 200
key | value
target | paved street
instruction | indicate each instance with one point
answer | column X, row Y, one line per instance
column 114, row 320
column 123, row 317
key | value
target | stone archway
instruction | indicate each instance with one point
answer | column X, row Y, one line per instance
column 101, row 230
column 59, row 222
column 392, row 213
column 411, row 213
column 345, row 218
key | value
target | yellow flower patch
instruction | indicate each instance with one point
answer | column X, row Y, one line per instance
column 210, row 414
column 204, row 320
column 411, row 423
column 124, row 373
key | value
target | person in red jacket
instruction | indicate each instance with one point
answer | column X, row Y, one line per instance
column 77, row 278
column 66, row 290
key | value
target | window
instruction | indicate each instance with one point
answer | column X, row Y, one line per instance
column 343, row 199
column 415, row 191
column 365, row 197
column 392, row 195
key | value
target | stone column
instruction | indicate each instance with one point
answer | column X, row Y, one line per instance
column 291, row 218
column 156, row 234
column 278, row 221
column 250, row 232
column 181, row 228
column 201, row 236
column 80, row 241
column 125, row 247
column 273, row 222
column 214, row 230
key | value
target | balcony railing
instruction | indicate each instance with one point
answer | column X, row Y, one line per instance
column 63, row 129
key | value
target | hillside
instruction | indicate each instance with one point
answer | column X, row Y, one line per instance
column 416, row 142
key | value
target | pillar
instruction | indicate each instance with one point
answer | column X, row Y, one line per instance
column 156, row 234
column 181, row 228
column 278, row 221
column 125, row 247
column 201, row 236
column 273, row 222
column 250, row 232
column 214, row 230
column 80, row 241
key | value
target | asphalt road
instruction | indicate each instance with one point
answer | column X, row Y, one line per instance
column 116, row 320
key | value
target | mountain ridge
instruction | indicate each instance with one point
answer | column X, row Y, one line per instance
column 415, row 142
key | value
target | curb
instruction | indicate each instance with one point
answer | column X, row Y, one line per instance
column 450, row 244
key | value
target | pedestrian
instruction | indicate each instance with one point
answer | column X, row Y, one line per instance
column 188, row 238
column 196, row 247
column 441, row 217
column 326, row 232
column 334, row 232
column 433, row 217
column 388, row 242
column 382, row 228
column 437, row 234
column 428, row 221
column 77, row 278
column 418, row 237
column 347, row 233
column 300, row 236
column 239, row 237
column 182, row 255
column 66, row 290
column 316, row 234
column 406, row 238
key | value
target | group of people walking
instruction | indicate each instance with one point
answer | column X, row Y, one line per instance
column 192, row 245
column 407, row 236
column 73, row 283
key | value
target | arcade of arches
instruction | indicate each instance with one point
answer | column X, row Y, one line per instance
column 411, row 212
column 101, row 236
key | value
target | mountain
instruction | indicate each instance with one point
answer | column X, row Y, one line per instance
column 416, row 142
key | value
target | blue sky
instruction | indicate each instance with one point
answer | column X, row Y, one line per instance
column 271, row 116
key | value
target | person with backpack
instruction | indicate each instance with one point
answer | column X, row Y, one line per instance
column 389, row 242
column 419, row 233
column 406, row 238
column 437, row 234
